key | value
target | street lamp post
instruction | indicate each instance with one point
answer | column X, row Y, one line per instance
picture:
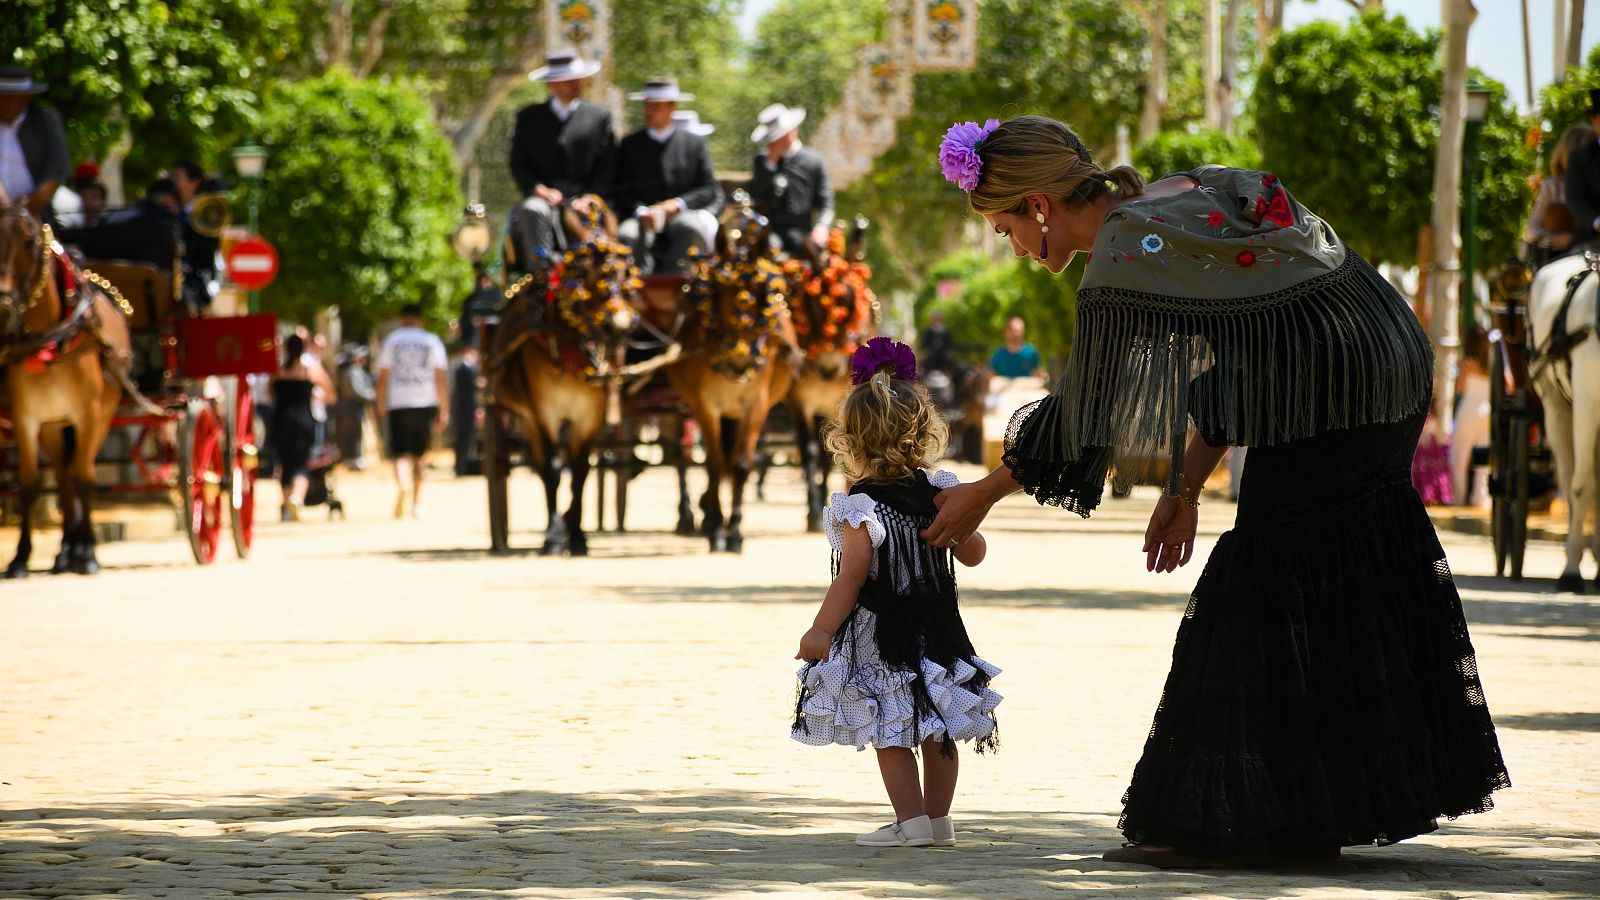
column 1477, row 107
column 250, row 161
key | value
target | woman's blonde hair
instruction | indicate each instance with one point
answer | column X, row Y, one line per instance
column 1579, row 135
column 885, row 430
column 1038, row 155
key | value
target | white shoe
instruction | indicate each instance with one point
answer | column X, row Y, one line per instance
column 944, row 831
column 910, row 833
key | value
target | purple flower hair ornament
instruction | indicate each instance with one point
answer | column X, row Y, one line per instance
column 882, row 355
column 958, row 152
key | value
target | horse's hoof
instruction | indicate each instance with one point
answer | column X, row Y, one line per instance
column 1570, row 583
column 15, row 571
column 686, row 527
column 734, row 544
column 62, row 565
column 86, row 565
column 578, row 548
column 552, row 548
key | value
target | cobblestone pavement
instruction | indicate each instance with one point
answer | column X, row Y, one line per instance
column 375, row 708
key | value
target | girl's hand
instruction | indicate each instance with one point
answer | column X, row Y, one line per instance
column 814, row 645
column 1169, row 541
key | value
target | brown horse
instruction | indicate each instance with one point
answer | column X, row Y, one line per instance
column 832, row 310
column 730, row 374
column 62, row 340
column 559, row 343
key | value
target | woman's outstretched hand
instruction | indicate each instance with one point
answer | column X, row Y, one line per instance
column 1169, row 541
column 961, row 510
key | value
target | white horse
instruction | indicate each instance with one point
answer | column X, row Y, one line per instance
column 1571, row 396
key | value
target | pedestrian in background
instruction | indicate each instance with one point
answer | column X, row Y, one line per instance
column 411, row 376
column 464, row 410
column 1017, row 358
column 294, row 432
column 356, row 393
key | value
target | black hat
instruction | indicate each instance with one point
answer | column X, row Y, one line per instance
column 18, row 80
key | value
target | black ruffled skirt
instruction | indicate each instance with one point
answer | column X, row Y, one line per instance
column 1323, row 689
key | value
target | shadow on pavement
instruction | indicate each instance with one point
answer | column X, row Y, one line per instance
column 1017, row 598
column 1551, row 721
column 673, row 845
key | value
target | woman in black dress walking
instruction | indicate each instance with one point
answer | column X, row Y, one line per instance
column 293, row 427
column 1323, row 690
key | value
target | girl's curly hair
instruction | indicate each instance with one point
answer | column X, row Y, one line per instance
column 885, row 430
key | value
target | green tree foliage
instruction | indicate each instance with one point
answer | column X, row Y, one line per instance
column 1566, row 103
column 990, row 293
column 1180, row 151
column 360, row 197
column 182, row 77
column 1348, row 116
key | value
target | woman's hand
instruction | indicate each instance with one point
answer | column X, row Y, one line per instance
column 1169, row 541
column 814, row 645
column 961, row 510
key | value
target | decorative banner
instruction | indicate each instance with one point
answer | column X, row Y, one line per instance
column 583, row 25
column 902, row 48
column 884, row 86
column 945, row 34
column 871, row 134
column 828, row 137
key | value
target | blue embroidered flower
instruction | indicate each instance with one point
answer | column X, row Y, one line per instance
column 1152, row 243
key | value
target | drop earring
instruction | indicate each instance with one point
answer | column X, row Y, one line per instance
column 1044, row 239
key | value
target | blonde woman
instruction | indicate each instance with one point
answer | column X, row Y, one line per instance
column 1323, row 690
column 1551, row 227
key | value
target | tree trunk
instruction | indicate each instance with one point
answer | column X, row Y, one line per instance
column 111, row 167
column 372, row 50
column 1229, row 78
column 337, row 46
column 1155, row 86
column 1211, row 63
column 1527, row 51
column 1269, row 21
column 1574, row 51
column 1558, row 58
column 1457, row 16
column 466, row 137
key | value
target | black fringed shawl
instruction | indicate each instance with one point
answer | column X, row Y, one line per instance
column 1231, row 305
column 913, row 594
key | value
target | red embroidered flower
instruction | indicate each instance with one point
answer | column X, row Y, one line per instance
column 1214, row 220
column 1245, row 258
column 1269, row 179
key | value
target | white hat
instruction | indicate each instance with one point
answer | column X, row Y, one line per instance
column 689, row 120
column 564, row 65
column 776, row 121
column 18, row 80
column 662, row 88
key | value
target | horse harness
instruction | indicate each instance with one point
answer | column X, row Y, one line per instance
column 76, row 287
column 1557, row 346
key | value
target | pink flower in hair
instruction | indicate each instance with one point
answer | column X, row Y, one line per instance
column 958, row 152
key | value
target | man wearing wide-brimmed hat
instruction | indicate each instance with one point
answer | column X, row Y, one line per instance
column 788, row 182
column 1583, row 180
column 33, row 146
column 562, row 149
column 664, row 184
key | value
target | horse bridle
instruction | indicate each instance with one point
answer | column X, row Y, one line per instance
column 31, row 287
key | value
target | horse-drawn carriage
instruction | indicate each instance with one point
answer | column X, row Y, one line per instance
column 183, row 426
column 1544, row 409
column 593, row 362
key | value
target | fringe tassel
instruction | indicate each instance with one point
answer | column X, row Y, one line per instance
column 1336, row 351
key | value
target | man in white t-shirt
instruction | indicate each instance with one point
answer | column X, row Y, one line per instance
column 411, row 384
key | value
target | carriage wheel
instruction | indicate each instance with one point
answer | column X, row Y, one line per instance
column 1501, row 438
column 200, row 479
column 242, row 497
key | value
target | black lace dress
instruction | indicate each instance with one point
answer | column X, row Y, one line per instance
column 1323, row 689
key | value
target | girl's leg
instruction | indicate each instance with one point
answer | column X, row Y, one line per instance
column 899, row 769
column 938, row 777
column 302, row 484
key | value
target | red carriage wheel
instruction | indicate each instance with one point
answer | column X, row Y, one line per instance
column 201, row 479
column 242, row 496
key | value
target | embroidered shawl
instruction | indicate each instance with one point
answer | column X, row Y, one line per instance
column 1230, row 305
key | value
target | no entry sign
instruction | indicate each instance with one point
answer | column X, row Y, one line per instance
column 252, row 264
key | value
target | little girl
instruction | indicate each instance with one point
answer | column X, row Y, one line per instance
column 888, row 661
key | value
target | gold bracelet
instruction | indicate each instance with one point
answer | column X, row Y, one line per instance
column 1193, row 504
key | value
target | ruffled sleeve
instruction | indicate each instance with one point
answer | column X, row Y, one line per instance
column 943, row 478
column 1039, row 461
column 851, row 511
